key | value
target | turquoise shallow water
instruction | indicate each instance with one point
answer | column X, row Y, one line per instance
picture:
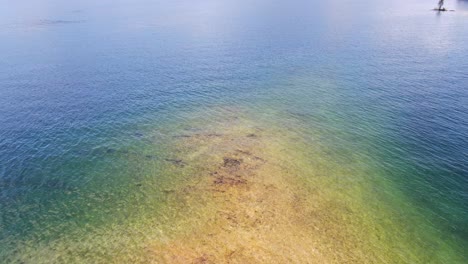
column 92, row 96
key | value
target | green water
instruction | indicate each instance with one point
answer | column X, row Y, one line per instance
column 125, row 205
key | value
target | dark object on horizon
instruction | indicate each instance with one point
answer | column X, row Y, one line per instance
column 441, row 7
column 441, row 4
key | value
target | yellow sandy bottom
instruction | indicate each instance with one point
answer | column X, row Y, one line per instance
column 247, row 192
column 248, row 205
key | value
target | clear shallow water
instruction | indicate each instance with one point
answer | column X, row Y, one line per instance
column 92, row 95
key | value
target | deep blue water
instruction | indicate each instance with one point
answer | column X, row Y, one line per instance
column 81, row 81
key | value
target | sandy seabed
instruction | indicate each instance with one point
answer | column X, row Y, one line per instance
column 247, row 192
column 249, row 203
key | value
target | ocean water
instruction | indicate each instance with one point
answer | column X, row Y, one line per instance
column 110, row 110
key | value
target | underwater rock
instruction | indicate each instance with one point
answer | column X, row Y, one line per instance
column 214, row 135
column 229, row 181
column 177, row 162
column 230, row 162
column 150, row 157
column 201, row 260
column 110, row 150
column 138, row 134
column 182, row 136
